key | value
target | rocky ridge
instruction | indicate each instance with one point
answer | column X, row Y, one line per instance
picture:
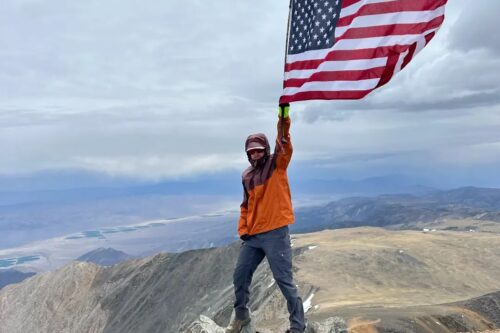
column 359, row 280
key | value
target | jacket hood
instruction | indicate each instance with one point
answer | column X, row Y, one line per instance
column 257, row 140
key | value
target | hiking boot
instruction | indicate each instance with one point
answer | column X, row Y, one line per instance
column 236, row 325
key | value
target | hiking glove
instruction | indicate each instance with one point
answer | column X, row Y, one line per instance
column 284, row 110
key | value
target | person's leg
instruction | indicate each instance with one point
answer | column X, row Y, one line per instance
column 250, row 257
column 278, row 251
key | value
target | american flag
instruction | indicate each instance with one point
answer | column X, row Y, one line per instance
column 344, row 49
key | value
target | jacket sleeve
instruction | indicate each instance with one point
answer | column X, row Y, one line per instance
column 242, row 223
column 283, row 151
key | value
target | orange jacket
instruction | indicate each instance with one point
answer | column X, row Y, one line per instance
column 267, row 203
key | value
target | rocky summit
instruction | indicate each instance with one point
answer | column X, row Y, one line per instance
column 359, row 280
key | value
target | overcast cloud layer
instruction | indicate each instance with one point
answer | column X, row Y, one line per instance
column 172, row 88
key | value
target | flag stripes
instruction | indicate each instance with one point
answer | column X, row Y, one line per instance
column 374, row 39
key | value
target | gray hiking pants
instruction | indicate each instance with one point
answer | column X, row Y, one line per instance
column 275, row 246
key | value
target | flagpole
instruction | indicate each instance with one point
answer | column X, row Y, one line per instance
column 287, row 35
column 282, row 109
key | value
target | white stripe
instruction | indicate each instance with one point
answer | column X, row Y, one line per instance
column 346, row 65
column 333, row 86
column 352, row 9
column 308, row 55
column 391, row 18
column 421, row 43
column 401, row 59
column 373, row 42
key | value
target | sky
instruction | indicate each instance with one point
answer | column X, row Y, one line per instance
column 171, row 89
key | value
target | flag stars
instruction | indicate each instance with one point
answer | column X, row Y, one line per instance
column 313, row 25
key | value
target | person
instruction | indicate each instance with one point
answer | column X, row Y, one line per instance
column 266, row 212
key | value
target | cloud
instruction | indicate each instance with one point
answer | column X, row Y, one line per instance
column 173, row 88
column 476, row 27
column 124, row 50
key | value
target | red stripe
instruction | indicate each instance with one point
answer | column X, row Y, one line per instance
column 353, row 75
column 428, row 37
column 347, row 3
column 389, row 69
column 343, row 55
column 409, row 56
column 392, row 29
column 391, row 7
column 308, row 95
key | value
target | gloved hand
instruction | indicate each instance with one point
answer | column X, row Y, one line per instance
column 245, row 237
column 284, row 110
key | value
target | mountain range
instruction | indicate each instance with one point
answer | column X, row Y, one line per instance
column 404, row 211
column 466, row 209
column 392, row 263
column 51, row 204
column 354, row 279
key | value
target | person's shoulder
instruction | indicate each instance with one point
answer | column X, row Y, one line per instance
column 246, row 172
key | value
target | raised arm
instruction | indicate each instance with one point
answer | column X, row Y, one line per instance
column 284, row 148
